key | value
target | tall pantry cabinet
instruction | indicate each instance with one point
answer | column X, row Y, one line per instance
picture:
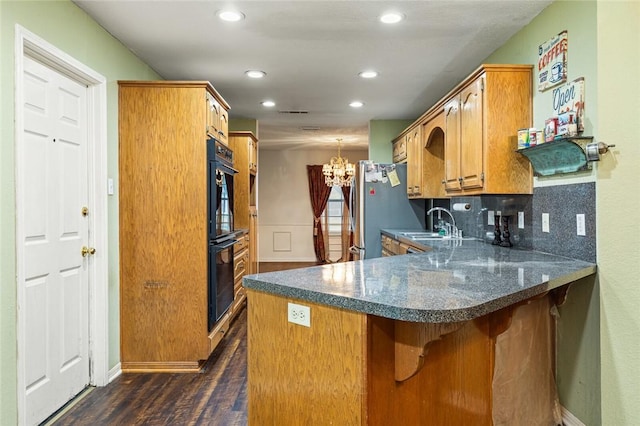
column 245, row 149
column 163, row 128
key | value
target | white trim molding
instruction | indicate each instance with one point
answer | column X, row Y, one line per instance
column 115, row 372
column 31, row 45
column 568, row 419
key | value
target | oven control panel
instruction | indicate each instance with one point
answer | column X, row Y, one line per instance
column 223, row 153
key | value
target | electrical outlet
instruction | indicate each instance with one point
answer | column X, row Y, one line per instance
column 580, row 225
column 490, row 219
column 545, row 222
column 520, row 220
column 299, row 314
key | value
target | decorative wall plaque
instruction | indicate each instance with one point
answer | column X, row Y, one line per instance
column 552, row 62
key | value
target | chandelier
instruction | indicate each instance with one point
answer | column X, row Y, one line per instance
column 339, row 172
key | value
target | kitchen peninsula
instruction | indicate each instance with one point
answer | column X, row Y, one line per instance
column 460, row 334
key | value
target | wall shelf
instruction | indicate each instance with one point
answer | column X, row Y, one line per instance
column 566, row 155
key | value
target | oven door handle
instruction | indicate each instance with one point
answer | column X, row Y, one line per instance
column 226, row 245
column 224, row 168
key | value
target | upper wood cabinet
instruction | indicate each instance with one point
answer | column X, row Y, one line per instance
column 469, row 137
column 409, row 141
column 414, row 163
column 463, row 138
column 399, row 146
column 433, row 156
column 243, row 144
column 217, row 117
column 253, row 156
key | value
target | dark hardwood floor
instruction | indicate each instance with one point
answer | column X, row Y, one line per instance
column 216, row 396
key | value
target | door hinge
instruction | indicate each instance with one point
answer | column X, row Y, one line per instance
column 482, row 85
column 482, row 176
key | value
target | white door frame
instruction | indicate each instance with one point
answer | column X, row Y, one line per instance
column 29, row 44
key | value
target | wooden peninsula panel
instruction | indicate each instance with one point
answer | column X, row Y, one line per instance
column 494, row 370
column 452, row 388
column 305, row 375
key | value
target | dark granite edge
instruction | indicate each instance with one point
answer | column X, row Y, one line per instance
column 414, row 314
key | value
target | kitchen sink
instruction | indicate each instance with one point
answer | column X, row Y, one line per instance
column 429, row 236
column 420, row 235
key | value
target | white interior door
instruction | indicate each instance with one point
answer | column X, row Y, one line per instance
column 55, row 275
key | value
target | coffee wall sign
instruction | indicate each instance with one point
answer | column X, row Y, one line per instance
column 552, row 62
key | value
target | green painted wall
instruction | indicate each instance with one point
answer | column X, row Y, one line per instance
column 618, row 204
column 244, row 124
column 578, row 340
column 598, row 364
column 381, row 133
column 67, row 27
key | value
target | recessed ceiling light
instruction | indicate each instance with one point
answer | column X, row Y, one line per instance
column 268, row 104
column 391, row 18
column 368, row 74
column 255, row 73
column 230, row 15
column 356, row 104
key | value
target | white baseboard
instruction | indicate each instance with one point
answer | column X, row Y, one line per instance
column 115, row 372
column 569, row 419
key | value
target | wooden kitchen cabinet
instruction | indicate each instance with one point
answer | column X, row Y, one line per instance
column 414, row 163
column 240, row 268
column 390, row 246
column 163, row 129
column 245, row 145
column 399, row 147
column 241, row 143
column 393, row 247
column 253, row 240
column 469, row 136
column 482, row 117
column 410, row 138
column 464, row 136
column 217, row 118
column 253, row 156
column 433, row 155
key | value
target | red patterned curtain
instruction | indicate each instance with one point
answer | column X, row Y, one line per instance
column 319, row 193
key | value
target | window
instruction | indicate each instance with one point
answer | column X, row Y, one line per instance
column 334, row 216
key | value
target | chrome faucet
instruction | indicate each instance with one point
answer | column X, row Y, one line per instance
column 454, row 230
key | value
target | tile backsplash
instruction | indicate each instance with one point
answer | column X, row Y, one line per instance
column 562, row 203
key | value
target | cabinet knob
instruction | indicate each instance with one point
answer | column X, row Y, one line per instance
column 460, row 179
column 443, row 181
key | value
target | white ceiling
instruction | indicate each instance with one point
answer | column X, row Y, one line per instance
column 312, row 52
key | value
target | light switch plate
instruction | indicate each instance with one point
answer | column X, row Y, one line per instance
column 520, row 220
column 545, row 222
column 109, row 186
column 490, row 220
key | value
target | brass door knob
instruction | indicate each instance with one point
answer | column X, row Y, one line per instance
column 87, row 251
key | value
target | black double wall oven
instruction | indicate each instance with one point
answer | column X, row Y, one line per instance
column 221, row 234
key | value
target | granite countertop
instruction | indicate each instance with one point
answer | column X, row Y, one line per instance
column 452, row 281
